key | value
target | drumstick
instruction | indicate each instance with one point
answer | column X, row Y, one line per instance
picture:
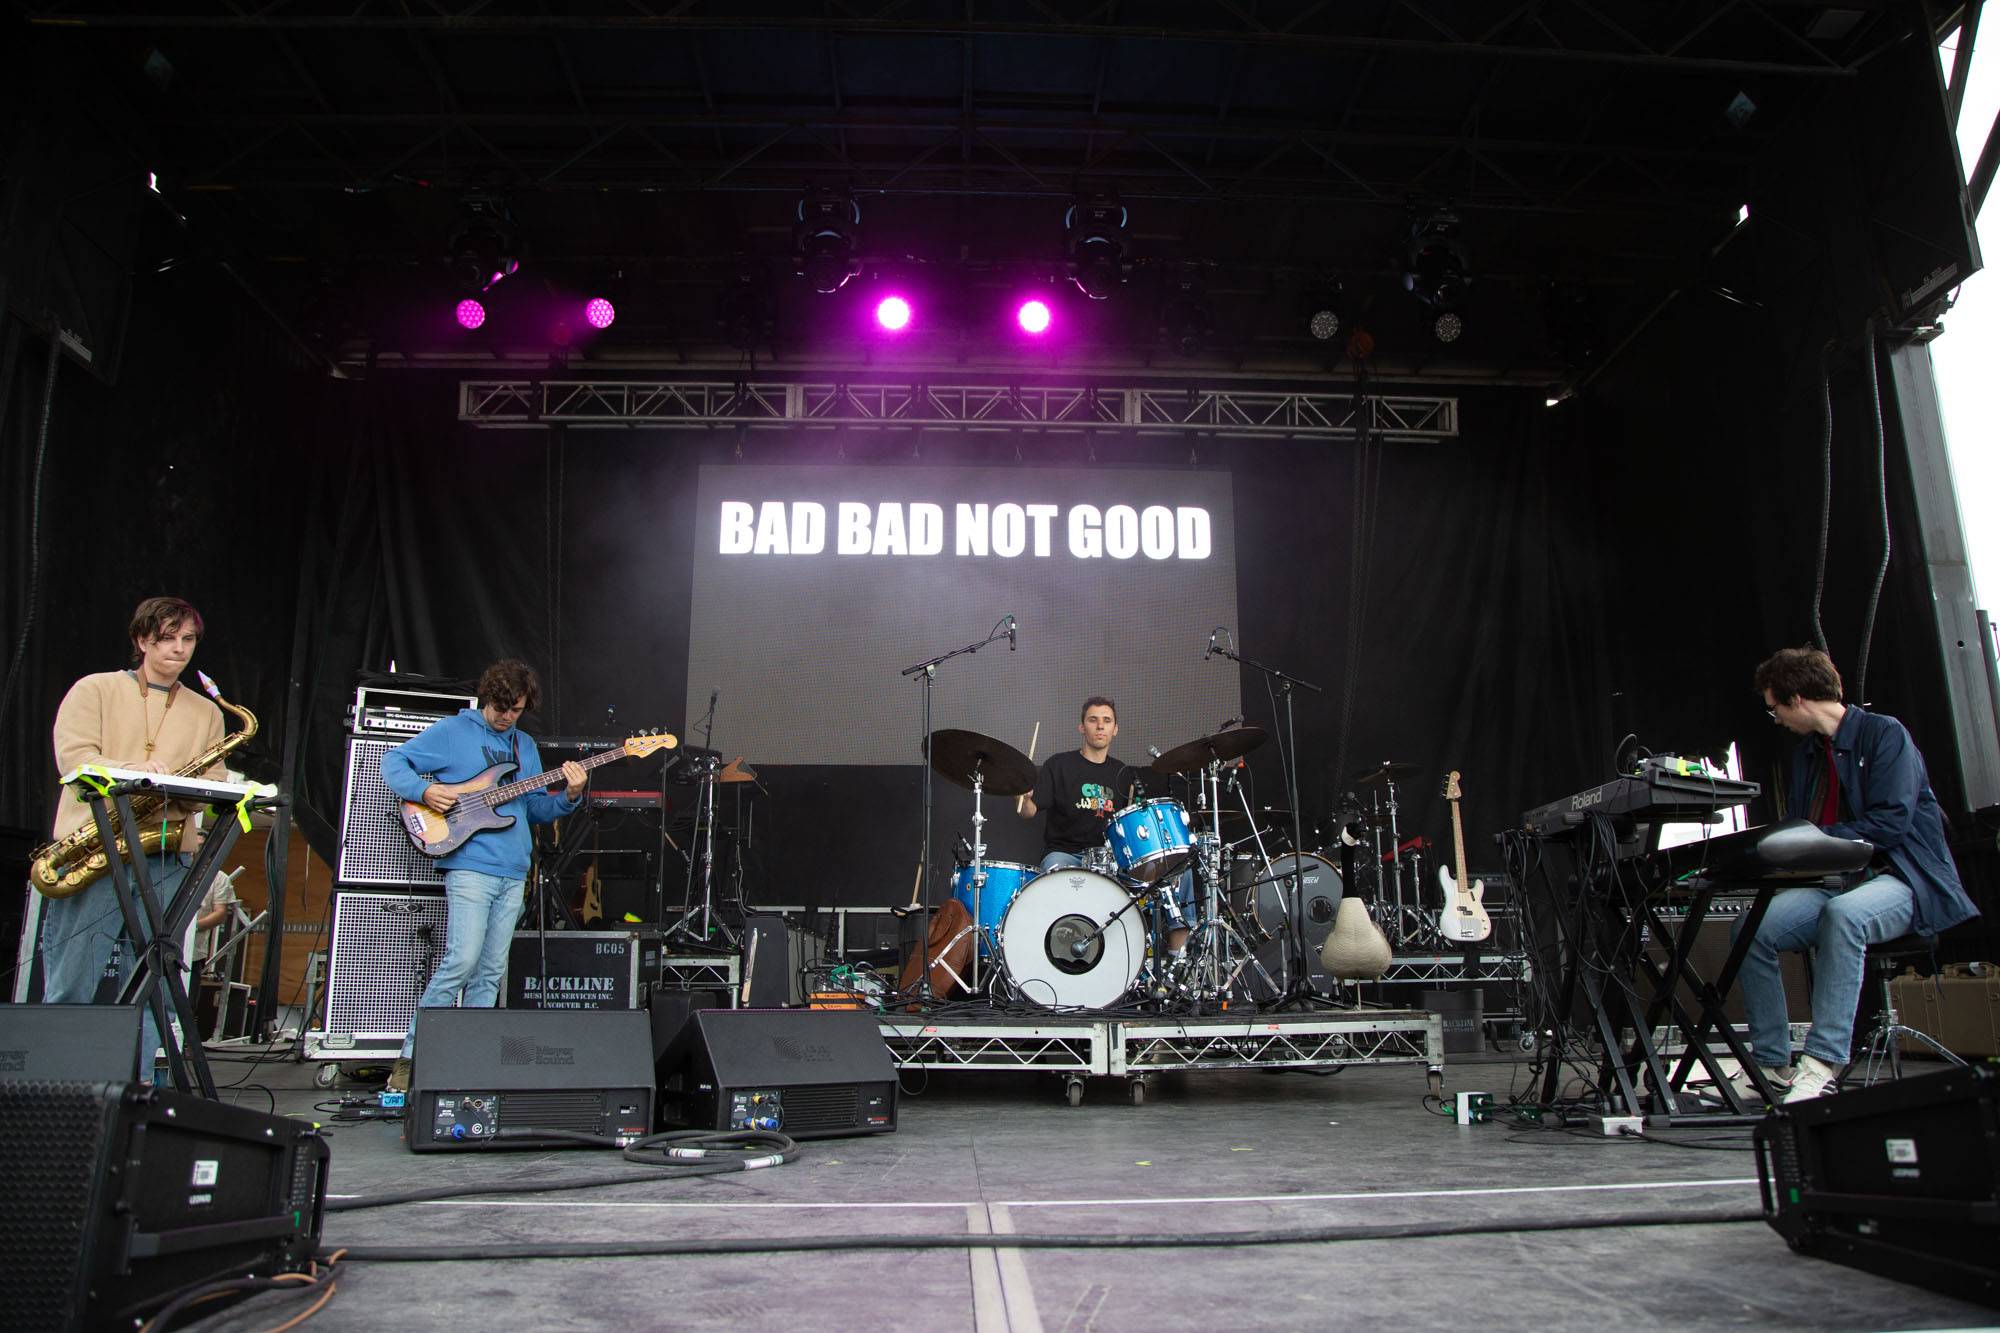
column 917, row 884
column 1031, row 759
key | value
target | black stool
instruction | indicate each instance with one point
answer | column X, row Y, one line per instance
column 1885, row 961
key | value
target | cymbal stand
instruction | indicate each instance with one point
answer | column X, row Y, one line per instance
column 980, row 935
column 709, row 924
column 1227, row 962
column 1298, row 989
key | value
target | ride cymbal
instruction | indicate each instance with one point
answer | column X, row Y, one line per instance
column 1223, row 745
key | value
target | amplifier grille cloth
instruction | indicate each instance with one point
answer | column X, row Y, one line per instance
column 822, row 1108
column 385, row 947
column 50, row 1136
column 374, row 849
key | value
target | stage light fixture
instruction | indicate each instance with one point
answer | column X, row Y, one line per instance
column 1434, row 270
column 1098, row 246
column 1033, row 316
column 893, row 313
column 1324, row 324
column 826, row 242
column 1186, row 320
column 599, row 313
column 484, row 249
column 470, row 313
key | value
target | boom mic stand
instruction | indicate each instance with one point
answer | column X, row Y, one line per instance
column 929, row 667
column 1298, row 986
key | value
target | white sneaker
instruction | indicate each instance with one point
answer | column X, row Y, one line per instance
column 1815, row 1078
column 1779, row 1078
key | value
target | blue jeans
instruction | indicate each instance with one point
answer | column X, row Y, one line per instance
column 1838, row 926
column 1060, row 861
column 479, row 925
column 79, row 933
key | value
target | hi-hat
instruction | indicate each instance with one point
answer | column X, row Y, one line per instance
column 957, row 755
column 1223, row 745
column 1388, row 768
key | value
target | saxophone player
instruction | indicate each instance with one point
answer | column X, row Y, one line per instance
column 144, row 718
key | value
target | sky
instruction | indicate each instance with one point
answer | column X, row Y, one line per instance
column 1967, row 354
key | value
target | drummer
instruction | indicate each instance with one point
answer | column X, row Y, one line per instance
column 1081, row 789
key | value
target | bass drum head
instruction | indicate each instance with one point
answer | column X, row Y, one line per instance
column 1043, row 924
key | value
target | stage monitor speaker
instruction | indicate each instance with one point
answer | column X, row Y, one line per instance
column 529, row 1078
column 115, row 1196
column 807, row 1073
column 384, row 948
column 374, row 849
column 1901, row 1180
column 669, row 1011
column 70, row 1043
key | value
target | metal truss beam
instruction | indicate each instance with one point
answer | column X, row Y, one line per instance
column 1285, row 413
column 1434, row 969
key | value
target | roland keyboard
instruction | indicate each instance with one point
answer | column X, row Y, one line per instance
column 1654, row 797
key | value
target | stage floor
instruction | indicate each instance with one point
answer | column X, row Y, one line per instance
column 1208, row 1152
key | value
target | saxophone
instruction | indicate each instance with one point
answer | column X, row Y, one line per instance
column 62, row 868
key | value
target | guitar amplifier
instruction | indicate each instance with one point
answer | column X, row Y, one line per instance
column 374, row 849
column 385, row 947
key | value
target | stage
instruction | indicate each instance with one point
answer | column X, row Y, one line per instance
column 1208, row 1154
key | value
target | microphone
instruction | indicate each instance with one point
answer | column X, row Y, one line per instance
column 1153, row 750
column 1211, row 646
column 713, row 695
column 1013, row 630
column 1229, row 722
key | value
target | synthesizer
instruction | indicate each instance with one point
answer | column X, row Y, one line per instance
column 1656, row 797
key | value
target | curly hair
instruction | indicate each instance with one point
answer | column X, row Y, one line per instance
column 156, row 617
column 1798, row 673
column 509, row 680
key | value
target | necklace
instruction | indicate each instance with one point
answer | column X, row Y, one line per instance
column 145, row 701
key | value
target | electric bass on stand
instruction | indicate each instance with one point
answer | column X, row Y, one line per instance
column 1463, row 919
column 480, row 798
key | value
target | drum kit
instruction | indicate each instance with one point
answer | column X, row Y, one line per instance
column 1167, row 912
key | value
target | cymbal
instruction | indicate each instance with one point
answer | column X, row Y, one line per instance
column 1388, row 768
column 1258, row 812
column 955, row 755
column 1223, row 745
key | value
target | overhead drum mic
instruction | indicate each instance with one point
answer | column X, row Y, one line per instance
column 1013, row 631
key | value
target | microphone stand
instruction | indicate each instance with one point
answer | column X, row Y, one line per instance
column 928, row 667
column 1298, row 987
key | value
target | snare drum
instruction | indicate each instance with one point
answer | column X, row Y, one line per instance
column 1004, row 879
column 1150, row 839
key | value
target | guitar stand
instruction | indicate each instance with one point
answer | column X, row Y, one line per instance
column 156, row 982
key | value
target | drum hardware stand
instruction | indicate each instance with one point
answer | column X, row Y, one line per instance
column 980, row 935
column 1298, row 986
column 709, row 923
column 928, row 669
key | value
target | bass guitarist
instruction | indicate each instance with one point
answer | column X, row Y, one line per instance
column 485, row 880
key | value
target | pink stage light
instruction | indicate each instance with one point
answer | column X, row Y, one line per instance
column 471, row 314
column 1034, row 316
column 599, row 312
column 893, row 313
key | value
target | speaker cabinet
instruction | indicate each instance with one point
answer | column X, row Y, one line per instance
column 114, row 1196
column 1901, row 1180
column 385, row 947
column 85, row 1043
column 374, row 849
column 530, row 1078
column 807, row 1073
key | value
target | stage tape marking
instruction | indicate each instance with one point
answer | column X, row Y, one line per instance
column 805, row 1205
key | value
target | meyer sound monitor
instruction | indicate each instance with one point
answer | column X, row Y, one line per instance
column 529, row 1078
column 806, row 1073
column 116, row 1196
column 1901, row 1180
column 70, row 1043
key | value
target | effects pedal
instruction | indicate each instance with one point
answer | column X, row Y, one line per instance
column 1475, row 1108
column 391, row 1101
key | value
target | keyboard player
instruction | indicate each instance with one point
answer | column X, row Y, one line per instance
column 1855, row 774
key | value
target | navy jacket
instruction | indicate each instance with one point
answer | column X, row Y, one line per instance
column 459, row 748
column 1884, row 783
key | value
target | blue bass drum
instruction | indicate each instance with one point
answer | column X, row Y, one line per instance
column 1004, row 879
column 1150, row 839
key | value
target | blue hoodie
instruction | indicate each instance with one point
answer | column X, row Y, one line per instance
column 458, row 749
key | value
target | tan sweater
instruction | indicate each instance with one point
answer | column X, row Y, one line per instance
column 106, row 718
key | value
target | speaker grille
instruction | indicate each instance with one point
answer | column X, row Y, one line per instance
column 51, row 1141
column 385, row 947
column 374, row 849
column 582, row 1112
column 837, row 1106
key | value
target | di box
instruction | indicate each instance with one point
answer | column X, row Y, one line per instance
column 807, row 1073
column 581, row 969
column 1901, row 1179
column 529, row 1078
column 115, row 1196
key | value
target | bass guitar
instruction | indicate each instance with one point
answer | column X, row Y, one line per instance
column 1464, row 919
column 480, row 798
